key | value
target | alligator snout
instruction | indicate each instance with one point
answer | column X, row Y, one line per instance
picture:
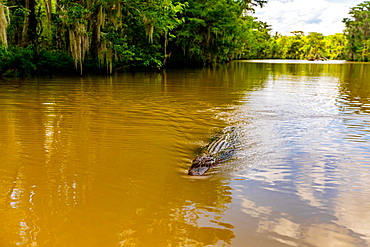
column 201, row 165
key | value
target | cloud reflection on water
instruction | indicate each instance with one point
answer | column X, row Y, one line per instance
column 309, row 174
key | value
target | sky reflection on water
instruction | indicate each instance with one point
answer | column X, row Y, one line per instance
column 307, row 178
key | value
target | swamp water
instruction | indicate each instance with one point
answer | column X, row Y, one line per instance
column 102, row 161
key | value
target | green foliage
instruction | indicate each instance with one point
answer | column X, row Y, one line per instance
column 314, row 46
column 47, row 36
column 15, row 33
column 358, row 32
column 26, row 61
column 215, row 31
column 255, row 39
column 335, row 46
column 120, row 34
column 53, row 62
column 17, row 61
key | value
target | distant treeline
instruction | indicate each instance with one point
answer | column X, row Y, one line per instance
column 60, row 36
column 313, row 46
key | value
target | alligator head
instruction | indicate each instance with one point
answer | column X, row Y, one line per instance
column 201, row 164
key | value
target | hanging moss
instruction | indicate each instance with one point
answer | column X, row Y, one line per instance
column 104, row 50
column 149, row 28
column 75, row 23
column 4, row 20
column 79, row 43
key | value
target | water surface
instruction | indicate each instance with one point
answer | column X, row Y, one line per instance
column 102, row 161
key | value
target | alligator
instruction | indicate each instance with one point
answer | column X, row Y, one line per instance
column 218, row 150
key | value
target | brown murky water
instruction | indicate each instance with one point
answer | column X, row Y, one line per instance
column 102, row 161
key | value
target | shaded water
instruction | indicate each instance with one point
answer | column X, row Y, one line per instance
column 102, row 161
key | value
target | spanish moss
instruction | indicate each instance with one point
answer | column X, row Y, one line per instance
column 4, row 20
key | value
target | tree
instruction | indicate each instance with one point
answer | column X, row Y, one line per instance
column 358, row 32
column 105, row 34
column 335, row 46
column 213, row 31
column 256, row 39
column 314, row 46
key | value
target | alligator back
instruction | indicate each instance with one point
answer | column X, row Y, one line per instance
column 218, row 150
column 218, row 145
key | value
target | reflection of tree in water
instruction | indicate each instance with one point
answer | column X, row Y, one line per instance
column 354, row 100
column 355, row 89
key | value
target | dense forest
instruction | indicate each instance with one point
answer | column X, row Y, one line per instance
column 58, row 36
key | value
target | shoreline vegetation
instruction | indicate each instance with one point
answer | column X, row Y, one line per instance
column 81, row 36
